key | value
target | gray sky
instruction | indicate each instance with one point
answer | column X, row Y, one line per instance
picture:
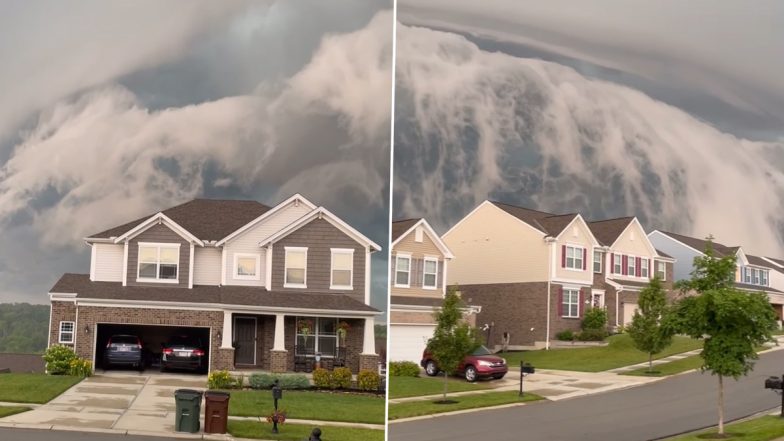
column 114, row 110
column 671, row 111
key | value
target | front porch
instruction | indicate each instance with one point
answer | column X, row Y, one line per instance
column 277, row 342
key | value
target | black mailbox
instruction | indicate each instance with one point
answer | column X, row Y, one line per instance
column 527, row 369
column 773, row 383
column 277, row 393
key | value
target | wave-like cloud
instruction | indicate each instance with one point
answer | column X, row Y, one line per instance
column 472, row 124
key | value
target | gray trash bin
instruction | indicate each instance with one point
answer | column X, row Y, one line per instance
column 188, row 410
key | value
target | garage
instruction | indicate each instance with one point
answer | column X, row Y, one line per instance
column 628, row 313
column 152, row 338
column 408, row 341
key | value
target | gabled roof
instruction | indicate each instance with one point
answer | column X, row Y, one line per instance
column 401, row 226
column 779, row 262
column 322, row 213
column 608, row 231
column 663, row 254
column 759, row 261
column 548, row 223
column 397, row 234
column 699, row 244
column 206, row 219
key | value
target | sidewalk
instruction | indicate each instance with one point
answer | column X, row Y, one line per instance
column 675, row 357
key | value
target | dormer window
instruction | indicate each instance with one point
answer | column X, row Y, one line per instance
column 158, row 262
column 247, row 266
column 296, row 267
column 342, row 268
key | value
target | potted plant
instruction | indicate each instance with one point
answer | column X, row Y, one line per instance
column 343, row 328
column 305, row 328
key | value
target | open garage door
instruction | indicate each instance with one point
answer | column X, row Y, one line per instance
column 152, row 339
column 408, row 342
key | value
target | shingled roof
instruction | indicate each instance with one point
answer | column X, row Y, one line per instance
column 401, row 226
column 759, row 261
column 608, row 231
column 699, row 244
column 81, row 285
column 548, row 223
column 207, row 219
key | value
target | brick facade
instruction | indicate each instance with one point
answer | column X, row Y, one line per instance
column 511, row 307
column 61, row 312
column 368, row 363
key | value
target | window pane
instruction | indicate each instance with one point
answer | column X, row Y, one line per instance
column 148, row 270
column 170, row 255
column 341, row 277
column 246, row 266
column 430, row 280
column 168, row 271
column 403, row 263
column 295, row 275
column 148, row 254
column 304, row 347
column 573, row 310
column 66, row 327
column 327, row 326
column 327, row 345
column 342, row 261
column 401, row 278
column 295, row 259
column 431, row 266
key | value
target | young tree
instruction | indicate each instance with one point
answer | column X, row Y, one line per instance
column 732, row 323
column 649, row 329
column 453, row 338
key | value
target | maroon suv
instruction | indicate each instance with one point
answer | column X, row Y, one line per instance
column 479, row 364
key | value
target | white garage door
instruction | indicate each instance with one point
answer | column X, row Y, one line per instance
column 628, row 313
column 408, row 341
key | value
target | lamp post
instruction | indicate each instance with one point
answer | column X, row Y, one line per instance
column 277, row 394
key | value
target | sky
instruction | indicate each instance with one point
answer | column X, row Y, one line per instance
column 116, row 110
column 671, row 111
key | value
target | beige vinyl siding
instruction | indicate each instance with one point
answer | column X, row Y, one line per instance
column 490, row 246
column 207, row 266
column 108, row 263
column 634, row 242
column 248, row 241
column 576, row 234
column 418, row 250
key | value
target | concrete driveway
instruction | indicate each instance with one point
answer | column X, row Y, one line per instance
column 123, row 401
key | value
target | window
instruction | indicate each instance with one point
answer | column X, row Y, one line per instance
column 597, row 300
column 661, row 270
column 159, row 262
column 764, row 277
column 617, row 264
column 430, row 273
column 247, row 266
column 402, row 271
column 597, row 261
column 342, row 268
column 66, row 332
column 574, row 258
column 296, row 267
column 644, row 268
column 756, row 272
column 322, row 336
column 571, row 303
column 631, row 269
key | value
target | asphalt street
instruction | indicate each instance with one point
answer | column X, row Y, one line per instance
column 664, row 408
column 54, row 435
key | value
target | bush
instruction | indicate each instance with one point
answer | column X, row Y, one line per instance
column 340, row 378
column 322, row 378
column 403, row 369
column 595, row 318
column 261, row 381
column 220, row 380
column 294, row 381
column 80, row 367
column 567, row 335
column 368, row 380
column 58, row 359
column 593, row 335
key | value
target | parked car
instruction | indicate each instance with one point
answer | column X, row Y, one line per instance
column 479, row 364
column 183, row 352
column 123, row 350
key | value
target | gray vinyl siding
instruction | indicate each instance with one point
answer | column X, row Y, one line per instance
column 319, row 236
column 158, row 234
column 683, row 255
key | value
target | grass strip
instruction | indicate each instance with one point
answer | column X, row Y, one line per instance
column 765, row 428
column 429, row 407
column 310, row 405
column 12, row 410
column 34, row 388
column 298, row 432
column 403, row 387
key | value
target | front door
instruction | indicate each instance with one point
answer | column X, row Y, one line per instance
column 245, row 340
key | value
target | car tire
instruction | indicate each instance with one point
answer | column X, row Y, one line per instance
column 431, row 369
column 498, row 376
column 470, row 374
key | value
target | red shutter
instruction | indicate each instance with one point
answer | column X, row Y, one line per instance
column 612, row 264
column 637, row 266
column 581, row 305
column 625, row 265
column 563, row 256
column 585, row 258
column 560, row 302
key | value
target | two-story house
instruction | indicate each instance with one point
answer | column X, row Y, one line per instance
column 419, row 262
column 536, row 273
column 260, row 286
column 753, row 273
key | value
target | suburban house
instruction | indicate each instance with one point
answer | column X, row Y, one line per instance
column 419, row 262
column 536, row 273
column 754, row 273
column 263, row 287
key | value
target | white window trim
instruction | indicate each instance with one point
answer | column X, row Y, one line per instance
column 407, row 257
column 316, row 334
column 599, row 294
column 333, row 251
column 237, row 257
column 424, row 272
column 60, row 333
column 286, row 284
column 574, row 259
column 567, row 312
column 600, row 262
column 646, row 267
column 617, row 260
column 631, row 264
column 157, row 279
column 665, row 270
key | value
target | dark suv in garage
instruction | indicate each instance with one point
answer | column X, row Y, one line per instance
column 123, row 350
column 183, row 352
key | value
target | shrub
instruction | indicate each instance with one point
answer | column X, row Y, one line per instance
column 80, row 367
column 261, row 381
column 220, row 380
column 595, row 318
column 567, row 335
column 368, row 380
column 294, row 381
column 403, row 369
column 58, row 359
column 593, row 335
column 322, row 378
column 340, row 378
column 239, row 382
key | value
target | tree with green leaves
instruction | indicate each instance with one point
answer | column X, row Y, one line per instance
column 649, row 329
column 453, row 338
column 731, row 323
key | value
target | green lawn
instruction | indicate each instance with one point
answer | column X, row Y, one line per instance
column 298, row 432
column 759, row 429
column 618, row 353
column 34, row 388
column 429, row 407
column 323, row 406
column 401, row 387
column 671, row 368
column 12, row 410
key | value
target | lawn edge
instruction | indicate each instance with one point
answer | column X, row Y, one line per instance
column 462, row 411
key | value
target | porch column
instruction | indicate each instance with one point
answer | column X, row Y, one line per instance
column 227, row 331
column 278, row 354
column 368, row 359
column 280, row 333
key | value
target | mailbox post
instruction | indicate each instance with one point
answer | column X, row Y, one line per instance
column 277, row 394
column 777, row 384
column 525, row 369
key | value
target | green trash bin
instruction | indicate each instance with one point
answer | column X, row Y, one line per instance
column 188, row 410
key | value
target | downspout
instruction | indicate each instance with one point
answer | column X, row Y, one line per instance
column 551, row 241
column 617, row 307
